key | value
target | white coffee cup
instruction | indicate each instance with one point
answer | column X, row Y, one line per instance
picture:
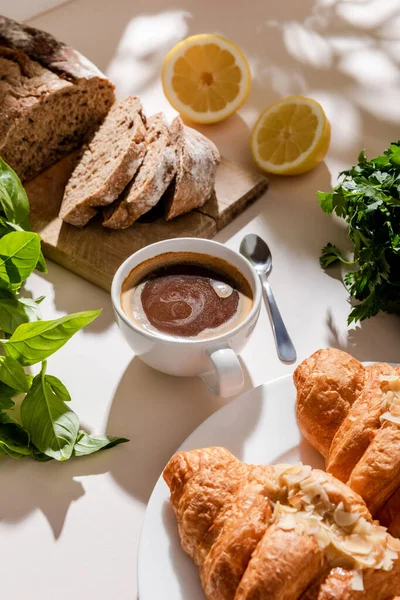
column 214, row 359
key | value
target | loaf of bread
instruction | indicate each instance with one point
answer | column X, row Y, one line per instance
column 283, row 532
column 107, row 164
column 197, row 162
column 52, row 99
column 153, row 178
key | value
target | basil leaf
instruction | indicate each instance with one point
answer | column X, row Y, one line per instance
column 13, row 198
column 4, row 226
column 6, row 403
column 8, row 227
column 14, row 439
column 41, row 264
column 52, row 426
column 19, row 254
column 6, row 390
column 14, row 312
column 34, row 342
column 13, row 375
column 39, row 456
column 58, row 388
column 88, row 444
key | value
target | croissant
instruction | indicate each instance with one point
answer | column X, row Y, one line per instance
column 351, row 415
column 278, row 532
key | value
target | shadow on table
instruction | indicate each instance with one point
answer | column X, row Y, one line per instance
column 50, row 487
column 70, row 297
column 375, row 339
column 295, row 222
column 156, row 412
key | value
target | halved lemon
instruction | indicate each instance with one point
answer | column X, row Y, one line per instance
column 291, row 136
column 206, row 78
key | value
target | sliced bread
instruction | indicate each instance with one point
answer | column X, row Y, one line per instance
column 107, row 164
column 197, row 162
column 52, row 99
column 153, row 178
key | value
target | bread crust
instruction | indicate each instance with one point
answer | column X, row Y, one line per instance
column 345, row 426
column 197, row 162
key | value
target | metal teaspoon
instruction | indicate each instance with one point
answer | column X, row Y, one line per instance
column 259, row 255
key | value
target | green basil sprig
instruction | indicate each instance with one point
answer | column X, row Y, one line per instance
column 34, row 342
column 14, row 312
column 49, row 428
column 53, row 427
column 13, row 199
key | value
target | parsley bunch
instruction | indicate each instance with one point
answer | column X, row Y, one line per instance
column 368, row 198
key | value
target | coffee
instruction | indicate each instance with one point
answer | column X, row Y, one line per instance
column 186, row 295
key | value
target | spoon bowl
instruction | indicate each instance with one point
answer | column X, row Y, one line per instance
column 257, row 252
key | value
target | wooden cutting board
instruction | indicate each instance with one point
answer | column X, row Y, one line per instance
column 95, row 253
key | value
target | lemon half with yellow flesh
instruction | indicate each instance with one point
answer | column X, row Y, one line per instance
column 291, row 136
column 206, row 78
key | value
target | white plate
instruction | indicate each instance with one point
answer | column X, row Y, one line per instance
column 258, row 427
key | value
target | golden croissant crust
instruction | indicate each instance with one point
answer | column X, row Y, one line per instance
column 351, row 414
column 279, row 532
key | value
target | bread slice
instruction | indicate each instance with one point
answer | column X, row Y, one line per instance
column 52, row 99
column 197, row 162
column 107, row 164
column 153, row 178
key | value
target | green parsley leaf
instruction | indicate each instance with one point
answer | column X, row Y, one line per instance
column 368, row 199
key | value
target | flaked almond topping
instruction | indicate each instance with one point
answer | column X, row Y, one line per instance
column 323, row 538
column 343, row 518
column 392, row 381
column 287, row 522
column 391, row 400
column 296, row 474
column 279, row 469
column 388, row 416
column 315, row 490
column 355, row 544
column 362, row 527
column 349, row 540
column 357, row 582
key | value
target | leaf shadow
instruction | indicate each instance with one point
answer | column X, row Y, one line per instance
column 89, row 297
column 50, row 487
column 374, row 339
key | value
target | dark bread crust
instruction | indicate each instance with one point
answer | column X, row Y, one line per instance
column 42, row 47
column 52, row 99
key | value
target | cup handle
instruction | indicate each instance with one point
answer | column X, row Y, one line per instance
column 226, row 379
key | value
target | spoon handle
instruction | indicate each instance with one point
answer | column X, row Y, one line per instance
column 284, row 345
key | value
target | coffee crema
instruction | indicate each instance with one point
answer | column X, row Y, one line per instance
column 186, row 295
